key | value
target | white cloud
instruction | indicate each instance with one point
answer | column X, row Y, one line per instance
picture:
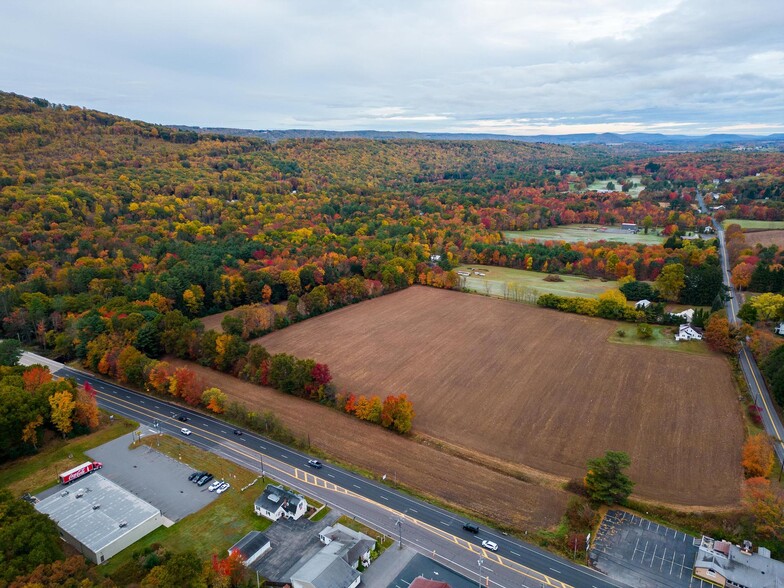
column 418, row 65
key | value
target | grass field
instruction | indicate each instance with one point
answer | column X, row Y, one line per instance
column 501, row 281
column 586, row 233
column 535, row 387
column 753, row 224
column 663, row 338
column 634, row 192
column 39, row 472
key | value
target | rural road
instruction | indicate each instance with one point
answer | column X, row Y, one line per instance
column 748, row 365
column 430, row 530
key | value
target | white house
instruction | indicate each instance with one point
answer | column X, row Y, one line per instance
column 779, row 330
column 277, row 502
column 354, row 547
column 688, row 333
column 642, row 304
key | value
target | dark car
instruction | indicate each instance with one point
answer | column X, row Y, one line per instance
column 204, row 479
column 471, row 527
column 237, row 432
column 195, row 476
column 182, row 418
column 314, row 463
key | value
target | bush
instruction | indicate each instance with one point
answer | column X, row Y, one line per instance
column 644, row 331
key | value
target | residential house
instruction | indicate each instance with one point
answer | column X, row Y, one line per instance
column 629, row 227
column 277, row 502
column 688, row 333
column 354, row 547
column 324, row 570
column 251, row 547
column 435, row 258
column 779, row 330
column 687, row 314
column 642, row 304
column 724, row 564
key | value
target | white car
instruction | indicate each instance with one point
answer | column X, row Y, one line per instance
column 185, row 431
column 222, row 488
column 214, row 486
column 492, row 546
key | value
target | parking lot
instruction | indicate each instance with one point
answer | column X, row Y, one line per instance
column 157, row 478
column 644, row 554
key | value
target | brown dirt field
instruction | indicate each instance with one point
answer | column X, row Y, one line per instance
column 537, row 387
column 494, row 495
column 765, row 238
column 213, row 321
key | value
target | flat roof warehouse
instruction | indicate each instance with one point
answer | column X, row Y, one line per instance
column 99, row 518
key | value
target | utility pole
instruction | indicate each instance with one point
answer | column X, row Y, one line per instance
column 480, row 562
column 399, row 524
column 261, row 461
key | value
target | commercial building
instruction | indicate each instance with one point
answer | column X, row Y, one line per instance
column 100, row 518
column 724, row 564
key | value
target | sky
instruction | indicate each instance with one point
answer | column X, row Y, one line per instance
column 491, row 66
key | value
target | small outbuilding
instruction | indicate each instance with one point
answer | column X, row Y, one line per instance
column 642, row 304
column 251, row 547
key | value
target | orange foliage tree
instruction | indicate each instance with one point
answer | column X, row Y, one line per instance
column 34, row 376
column 758, row 457
column 766, row 505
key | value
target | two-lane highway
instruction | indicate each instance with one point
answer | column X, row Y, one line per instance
column 429, row 529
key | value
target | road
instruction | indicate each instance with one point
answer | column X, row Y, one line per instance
column 432, row 531
column 748, row 365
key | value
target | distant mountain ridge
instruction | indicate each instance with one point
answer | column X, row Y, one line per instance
column 569, row 139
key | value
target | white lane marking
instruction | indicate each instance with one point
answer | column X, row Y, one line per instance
column 412, row 510
column 517, row 554
column 355, row 486
column 556, row 571
column 384, row 498
column 330, row 475
column 224, row 432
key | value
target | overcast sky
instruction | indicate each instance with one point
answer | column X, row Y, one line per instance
column 521, row 67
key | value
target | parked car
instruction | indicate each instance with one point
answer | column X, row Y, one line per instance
column 185, row 431
column 214, row 486
column 237, row 432
column 204, row 479
column 314, row 463
column 223, row 487
column 471, row 527
column 492, row 546
column 195, row 476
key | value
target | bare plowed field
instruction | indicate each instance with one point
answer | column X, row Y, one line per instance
column 536, row 387
column 495, row 495
column 765, row 238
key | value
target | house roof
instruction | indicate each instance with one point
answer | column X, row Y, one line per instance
column 347, row 543
column 325, row 570
column 250, row 544
column 96, row 511
column 275, row 497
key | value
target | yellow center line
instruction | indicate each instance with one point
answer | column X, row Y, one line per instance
column 762, row 396
column 303, row 476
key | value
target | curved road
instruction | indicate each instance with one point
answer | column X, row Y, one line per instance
column 433, row 531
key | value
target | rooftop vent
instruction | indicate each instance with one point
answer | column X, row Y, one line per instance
column 274, row 498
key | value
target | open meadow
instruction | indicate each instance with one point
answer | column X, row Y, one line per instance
column 586, row 234
column 753, row 224
column 634, row 192
column 765, row 238
column 527, row 286
column 536, row 387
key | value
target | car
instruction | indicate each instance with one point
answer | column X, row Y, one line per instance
column 491, row 545
column 185, row 431
column 204, row 479
column 195, row 476
column 471, row 527
column 214, row 486
column 223, row 487
column 182, row 418
column 314, row 463
column 237, row 432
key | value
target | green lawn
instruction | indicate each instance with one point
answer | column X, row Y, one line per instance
column 526, row 286
column 39, row 472
column 587, row 234
column 663, row 338
column 753, row 224
column 634, row 192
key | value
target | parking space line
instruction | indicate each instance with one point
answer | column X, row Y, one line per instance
column 662, row 562
column 655, row 547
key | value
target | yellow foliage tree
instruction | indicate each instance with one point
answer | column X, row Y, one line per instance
column 63, row 406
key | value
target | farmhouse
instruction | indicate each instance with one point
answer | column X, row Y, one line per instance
column 277, row 502
column 685, row 314
column 99, row 518
column 724, row 564
column 688, row 333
